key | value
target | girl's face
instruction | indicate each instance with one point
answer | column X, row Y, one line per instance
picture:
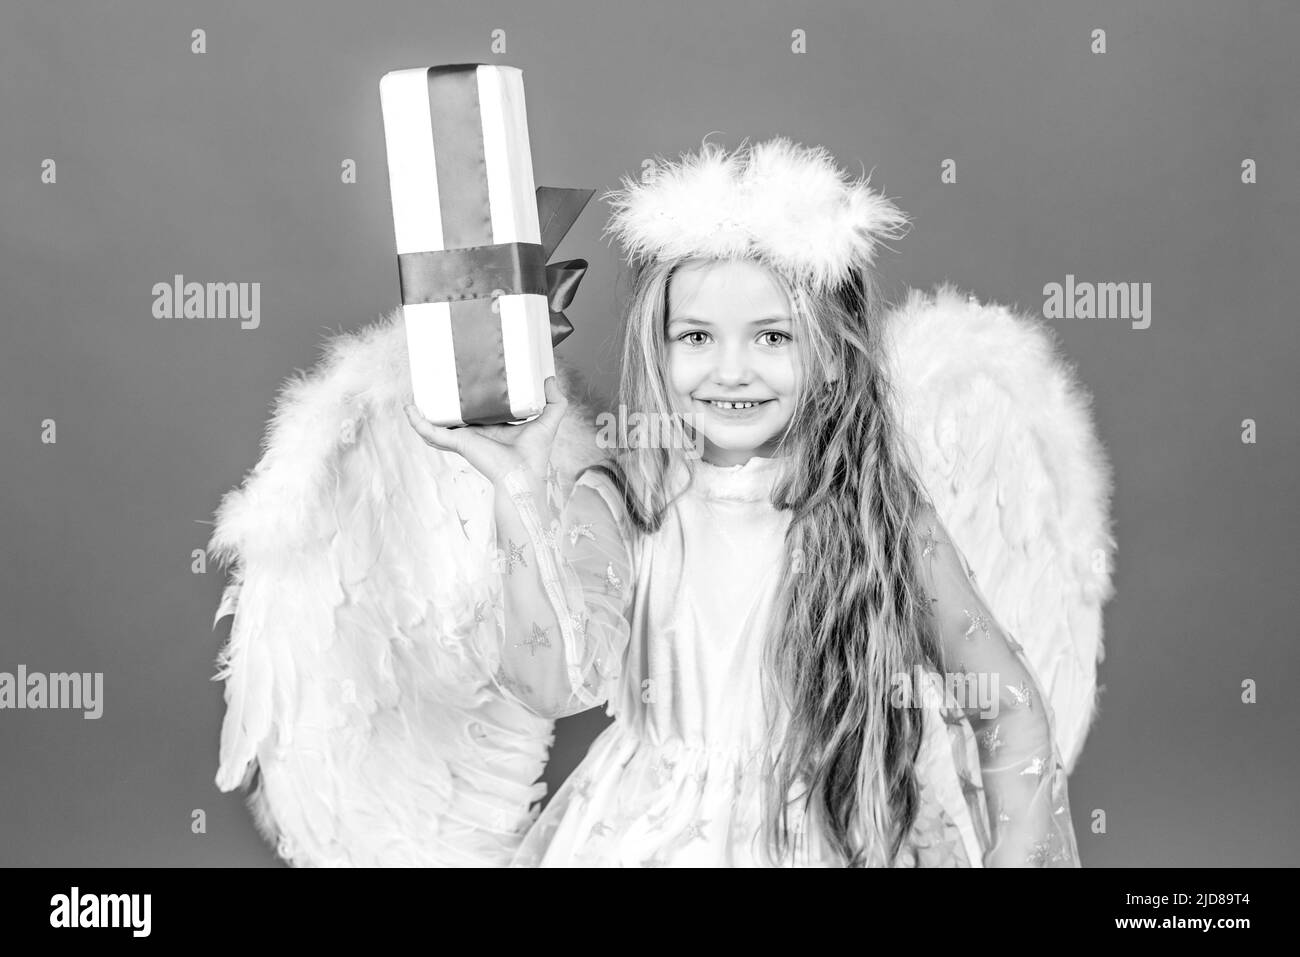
column 730, row 338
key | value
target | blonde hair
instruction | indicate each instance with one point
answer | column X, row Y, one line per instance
column 849, row 615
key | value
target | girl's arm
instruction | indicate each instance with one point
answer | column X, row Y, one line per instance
column 566, row 591
column 1020, row 763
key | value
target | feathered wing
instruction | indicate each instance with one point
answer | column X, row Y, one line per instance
column 359, row 707
column 1002, row 435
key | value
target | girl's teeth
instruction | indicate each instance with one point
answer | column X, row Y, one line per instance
column 735, row 405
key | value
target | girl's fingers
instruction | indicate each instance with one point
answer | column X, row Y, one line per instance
column 553, row 394
column 437, row 436
column 556, row 404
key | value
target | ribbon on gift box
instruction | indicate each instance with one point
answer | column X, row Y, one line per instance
column 481, row 272
column 470, row 273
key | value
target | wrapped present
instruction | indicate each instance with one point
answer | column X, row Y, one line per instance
column 482, row 306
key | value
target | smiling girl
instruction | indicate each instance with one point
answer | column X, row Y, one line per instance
column 746, row 616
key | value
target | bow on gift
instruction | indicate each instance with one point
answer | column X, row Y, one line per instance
column 557, row 209
column 485, row 272
column 472, row 277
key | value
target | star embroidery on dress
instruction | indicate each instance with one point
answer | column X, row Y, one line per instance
column 582, row 530
column 663, row 769
column 695, row 830
column 657, row 820
column 992, row 739
column 1037, row 856
column 612, row 580
column 514, row 555
column 929, row 542
column 1035, row 767
column 551, row 534
column 535, row 640
column 1023, row 695
column 978, row 622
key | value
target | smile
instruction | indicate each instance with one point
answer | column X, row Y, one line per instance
column 736, row 409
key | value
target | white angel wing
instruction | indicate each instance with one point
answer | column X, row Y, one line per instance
column 1002, row 435
column 355, row 690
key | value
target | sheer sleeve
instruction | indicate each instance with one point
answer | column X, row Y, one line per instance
column 565, row 583
column 1024, row 779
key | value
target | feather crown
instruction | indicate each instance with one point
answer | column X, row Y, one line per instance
column 785, row 204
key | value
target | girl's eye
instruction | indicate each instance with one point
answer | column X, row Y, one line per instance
column 782, row 337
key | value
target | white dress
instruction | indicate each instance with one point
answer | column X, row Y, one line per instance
column 666, row 629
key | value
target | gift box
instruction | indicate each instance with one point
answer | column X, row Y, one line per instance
column 483, row 309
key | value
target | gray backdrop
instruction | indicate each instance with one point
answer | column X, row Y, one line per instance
column 1123, row 166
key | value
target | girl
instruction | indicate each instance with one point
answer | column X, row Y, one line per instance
column 757, row 616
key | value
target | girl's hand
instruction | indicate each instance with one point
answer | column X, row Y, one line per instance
column 496, row 450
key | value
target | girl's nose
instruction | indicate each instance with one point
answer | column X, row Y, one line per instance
column 733, row 364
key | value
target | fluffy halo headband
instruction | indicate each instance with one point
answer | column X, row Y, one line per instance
column 787, row 205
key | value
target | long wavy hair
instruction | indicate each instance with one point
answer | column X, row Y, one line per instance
column 850, row 613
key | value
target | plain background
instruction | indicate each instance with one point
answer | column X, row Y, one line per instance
column 1122, row 167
